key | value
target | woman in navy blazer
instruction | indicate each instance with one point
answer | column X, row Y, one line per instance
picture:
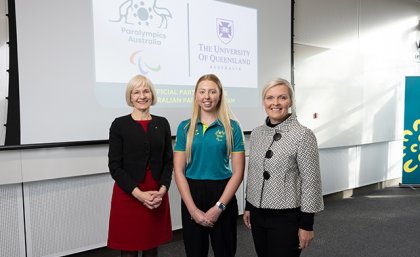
column 140, row 161
column 130, row 150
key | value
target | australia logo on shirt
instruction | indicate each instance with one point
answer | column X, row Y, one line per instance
column 220, row 134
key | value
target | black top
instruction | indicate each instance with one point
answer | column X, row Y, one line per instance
column 131, row 149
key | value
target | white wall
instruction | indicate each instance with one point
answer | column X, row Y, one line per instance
column 351, row 59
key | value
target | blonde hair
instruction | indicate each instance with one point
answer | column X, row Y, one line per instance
column 280, row 82
column 224, row 114
column 136, row 82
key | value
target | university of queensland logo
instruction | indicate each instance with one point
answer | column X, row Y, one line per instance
column 224, row 30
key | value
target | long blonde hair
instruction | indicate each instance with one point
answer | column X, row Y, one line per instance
column 224, row 114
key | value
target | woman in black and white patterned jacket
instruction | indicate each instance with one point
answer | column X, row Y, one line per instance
column 284, row 182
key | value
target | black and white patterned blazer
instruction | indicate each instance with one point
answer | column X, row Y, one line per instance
column 295, row 179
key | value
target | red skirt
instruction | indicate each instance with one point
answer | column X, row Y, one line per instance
column 134, row 227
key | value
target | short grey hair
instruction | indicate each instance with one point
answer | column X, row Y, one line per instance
column 136, row 82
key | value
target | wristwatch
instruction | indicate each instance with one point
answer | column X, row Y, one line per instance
column 221, row 206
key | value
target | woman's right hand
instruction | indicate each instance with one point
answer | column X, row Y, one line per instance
column 247, row 219
column 200, row 218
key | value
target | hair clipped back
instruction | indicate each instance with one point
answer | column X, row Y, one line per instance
column 279, row 82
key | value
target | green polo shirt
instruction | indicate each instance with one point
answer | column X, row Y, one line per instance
column 209, row 159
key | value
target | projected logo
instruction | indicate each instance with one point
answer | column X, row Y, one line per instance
column 412, row 148
column 143, row 13
column 140, row 61
column 224, row 30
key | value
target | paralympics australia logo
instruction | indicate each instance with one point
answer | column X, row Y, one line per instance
column 141, row 61
column 220, row 134
column 224, row 29
column 143, row 13
column 142, row 23
column 412, row 148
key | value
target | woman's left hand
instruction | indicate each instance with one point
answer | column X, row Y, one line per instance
column 247, row 219
column 157, row 197
column 213, row 214
column 160, row 194
column 305, row 238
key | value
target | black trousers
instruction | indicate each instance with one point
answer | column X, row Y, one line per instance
column 222, row 235
column 275, row 232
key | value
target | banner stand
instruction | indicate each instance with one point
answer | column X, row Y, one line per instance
column 411, row 148
column 409, row 185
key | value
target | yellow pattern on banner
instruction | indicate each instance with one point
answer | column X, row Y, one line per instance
column 414, row 142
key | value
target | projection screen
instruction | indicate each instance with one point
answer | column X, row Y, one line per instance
column 76, row 57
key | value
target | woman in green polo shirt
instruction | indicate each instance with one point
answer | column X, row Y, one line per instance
column 205, row 180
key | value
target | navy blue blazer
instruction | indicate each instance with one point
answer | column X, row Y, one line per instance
column 131, row 149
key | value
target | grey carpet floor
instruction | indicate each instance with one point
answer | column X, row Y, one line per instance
column 373, row 223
